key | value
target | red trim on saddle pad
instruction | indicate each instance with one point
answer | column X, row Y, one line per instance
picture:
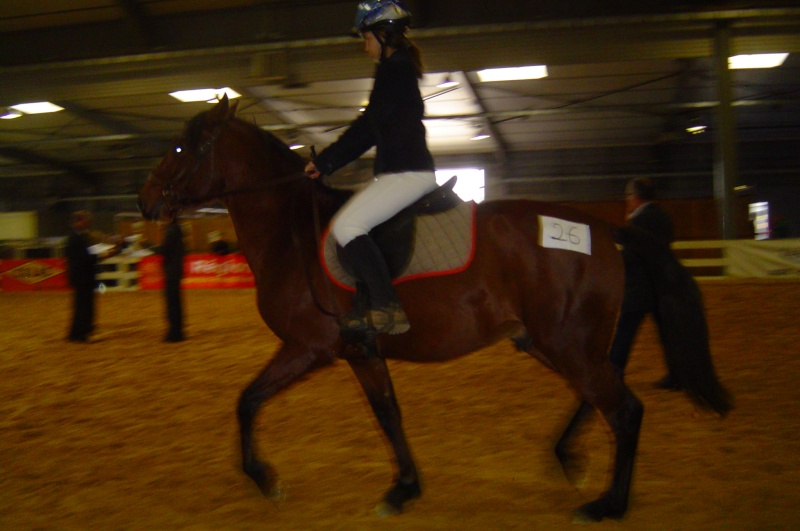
column 414, row 276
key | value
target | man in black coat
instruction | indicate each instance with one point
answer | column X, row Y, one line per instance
column 173, row 251
column 640, row 293
column 82, row 276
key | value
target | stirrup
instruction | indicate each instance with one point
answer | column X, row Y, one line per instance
column 389, row 319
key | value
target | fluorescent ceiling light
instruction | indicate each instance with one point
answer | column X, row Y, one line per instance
column 10, row 114
column 759, row 60
column 37, row 108
column 480, row 136
column 513, row 74
column 210, row 95
column 296, row 145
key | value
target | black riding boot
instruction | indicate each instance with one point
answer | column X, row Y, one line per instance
column 369, row 266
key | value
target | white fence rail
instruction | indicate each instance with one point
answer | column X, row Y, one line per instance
column 741, row 258
column 119, row 273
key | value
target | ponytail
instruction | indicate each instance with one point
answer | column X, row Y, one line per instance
column 397, row 40
column 416, row 57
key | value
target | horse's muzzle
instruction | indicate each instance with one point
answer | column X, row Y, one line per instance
column 150, row 212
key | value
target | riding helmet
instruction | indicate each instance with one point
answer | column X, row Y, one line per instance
column 372, row 14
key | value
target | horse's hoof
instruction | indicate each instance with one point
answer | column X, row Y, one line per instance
column 399, row 496
column 386, row 509
column 277, row 493
column 268, row 483
column 595, row 511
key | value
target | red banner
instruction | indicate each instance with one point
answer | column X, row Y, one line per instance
column 200, row 271
column 40, row 274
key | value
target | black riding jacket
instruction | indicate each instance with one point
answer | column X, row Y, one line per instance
column 392, row 122
column 640, row 293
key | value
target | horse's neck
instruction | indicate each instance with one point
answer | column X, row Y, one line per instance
column 274, row 218
column 270, row 225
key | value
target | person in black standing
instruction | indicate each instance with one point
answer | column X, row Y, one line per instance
column 172, row 249
column 640, row 296
column 82, row 276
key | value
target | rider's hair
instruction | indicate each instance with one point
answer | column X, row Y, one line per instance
column 393, row 37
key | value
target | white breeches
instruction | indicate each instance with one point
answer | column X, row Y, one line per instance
column 380, row 200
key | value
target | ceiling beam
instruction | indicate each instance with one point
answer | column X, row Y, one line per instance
column 30, row 157
column 501, row 153
column 112, row 124
column 141, row 21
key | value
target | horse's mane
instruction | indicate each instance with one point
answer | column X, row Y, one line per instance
column 194, row 130
column 195, row 126
column 272, row 140
column 330, row 198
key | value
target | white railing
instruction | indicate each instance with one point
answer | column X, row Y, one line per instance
column 122, row 275
column 694, row 264
column 743, row 258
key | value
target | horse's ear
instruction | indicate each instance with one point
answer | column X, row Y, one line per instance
column 233, row 108
column 220, row 111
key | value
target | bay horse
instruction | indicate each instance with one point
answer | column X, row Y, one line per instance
column 558, row 305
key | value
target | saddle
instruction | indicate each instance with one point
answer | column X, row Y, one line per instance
column 395, row 236
column 430, row 236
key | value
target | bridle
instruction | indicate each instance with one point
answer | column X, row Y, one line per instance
column 174, row 192
column 175, row 197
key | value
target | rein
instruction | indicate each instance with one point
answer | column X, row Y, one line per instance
column 261, row 188
column 176, row 198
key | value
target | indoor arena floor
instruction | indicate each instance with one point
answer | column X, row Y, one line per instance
column 133, row 433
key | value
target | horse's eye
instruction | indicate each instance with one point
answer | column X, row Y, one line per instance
column 178, row 149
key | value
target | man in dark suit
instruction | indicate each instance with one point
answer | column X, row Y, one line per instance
column 173, row 251
column 640, row 293
column 82, row 276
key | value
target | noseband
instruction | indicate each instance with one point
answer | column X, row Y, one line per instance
column 174, row 190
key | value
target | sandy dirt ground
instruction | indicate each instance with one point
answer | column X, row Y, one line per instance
column 133, row 433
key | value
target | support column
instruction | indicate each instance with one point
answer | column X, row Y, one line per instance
column 726, row 169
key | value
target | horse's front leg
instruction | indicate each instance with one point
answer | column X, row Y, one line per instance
column 373, row 374
column 290, row 363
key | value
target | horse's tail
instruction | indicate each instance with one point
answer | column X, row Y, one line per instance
column 681, row 320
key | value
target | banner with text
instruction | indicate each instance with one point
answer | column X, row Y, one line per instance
column 39, row 274
column 200, row 271
column 763, row 258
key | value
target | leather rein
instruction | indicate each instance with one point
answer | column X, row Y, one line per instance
column 175, row 199
column 174, row 191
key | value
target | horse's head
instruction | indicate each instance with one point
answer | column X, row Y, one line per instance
column 186, row 176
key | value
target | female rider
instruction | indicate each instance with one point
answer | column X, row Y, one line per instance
column 403, row 168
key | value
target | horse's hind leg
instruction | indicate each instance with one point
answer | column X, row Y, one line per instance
column 373, row 374
column 289, row 364
column 623, row 412
column 571, row 461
